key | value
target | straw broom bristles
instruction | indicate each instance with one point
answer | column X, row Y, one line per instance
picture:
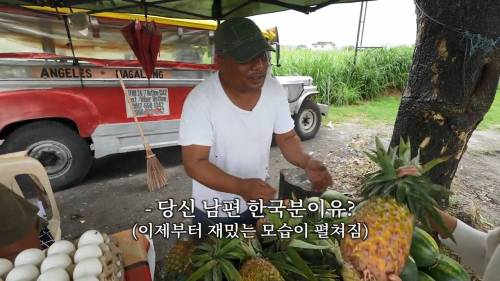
column 157, row 177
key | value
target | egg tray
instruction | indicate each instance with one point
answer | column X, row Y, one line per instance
column 111, row 260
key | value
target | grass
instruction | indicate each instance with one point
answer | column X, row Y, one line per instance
column 339, row 81
column 492, row 118
column 383, row 110
column 359, row 93
column 380, row 111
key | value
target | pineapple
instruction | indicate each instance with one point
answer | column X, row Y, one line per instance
column 349, row 273
column 179, row 257
column 391, row 206
column 388, row 244
column 259, row 269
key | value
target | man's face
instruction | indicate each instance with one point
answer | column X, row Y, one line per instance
column 246, row 76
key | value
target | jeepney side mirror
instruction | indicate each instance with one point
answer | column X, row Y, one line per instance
column 80, row 21
column 83, row 23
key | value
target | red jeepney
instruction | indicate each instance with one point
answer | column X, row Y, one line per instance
column 66, row 109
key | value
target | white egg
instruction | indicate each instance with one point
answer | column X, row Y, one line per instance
column 54, row 274
column 87, row 278
column 87, row 251
column 57, row 260
column 23, row 272
column 5, row 266
column 29, row 256
column 92, row 267
column 61, row 247
column 90, row 237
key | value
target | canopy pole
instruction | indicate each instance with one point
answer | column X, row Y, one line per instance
column 75, row 59
column 363, row 28
column 217, row 10
column 145, row 10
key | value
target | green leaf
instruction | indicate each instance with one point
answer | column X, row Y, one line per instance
column 404, row 151
column 294, row 221
column 237, row 254
column 228, row 247
column 229, row 270
column 389, row 189
column 205, row 247
column 201, row 258
column 282, row 262
column 256, row 245
column 416, row 160
column 273, row 218
column 401, row 194
column 305, row 245
column 431, row 164
column 285, row 268
column 406, row 155
column 217, row 274
column 371, row 156
column 202, row 271
column 378, row 144
column 300, row 264
column 412, row 206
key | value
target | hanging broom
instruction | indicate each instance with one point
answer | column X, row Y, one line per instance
column 157, row 177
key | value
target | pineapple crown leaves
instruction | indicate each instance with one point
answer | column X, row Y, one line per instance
column 213, row 259
column 283, row 253
column 284, row 264
column 417, row 192
column 300, row 264
column 251, row 248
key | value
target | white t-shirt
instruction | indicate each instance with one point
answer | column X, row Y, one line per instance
column 479, row 250
column 239, row 140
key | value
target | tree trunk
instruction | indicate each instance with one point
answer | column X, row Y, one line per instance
column 453, row 79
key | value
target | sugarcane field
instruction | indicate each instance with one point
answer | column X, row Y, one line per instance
column 211, row 140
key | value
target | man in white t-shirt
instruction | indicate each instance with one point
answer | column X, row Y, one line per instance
column 227, row 125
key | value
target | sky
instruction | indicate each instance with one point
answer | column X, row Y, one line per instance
column 388, row 23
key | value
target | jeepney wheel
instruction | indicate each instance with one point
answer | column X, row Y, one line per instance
column 64, row 154
column 307, row 120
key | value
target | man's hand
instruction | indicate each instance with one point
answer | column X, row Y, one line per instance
column 253, row 189
column 318, row 175
column 407, row 171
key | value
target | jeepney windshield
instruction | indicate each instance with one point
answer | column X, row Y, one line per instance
column 31, row 32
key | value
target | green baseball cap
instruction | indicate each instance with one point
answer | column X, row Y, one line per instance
column 241, row 39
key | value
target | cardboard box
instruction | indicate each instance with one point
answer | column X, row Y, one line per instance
column 138, row 255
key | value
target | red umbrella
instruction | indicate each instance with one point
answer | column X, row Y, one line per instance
column 145, row 39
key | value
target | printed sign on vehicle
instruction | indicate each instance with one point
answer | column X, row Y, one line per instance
column 148, row 101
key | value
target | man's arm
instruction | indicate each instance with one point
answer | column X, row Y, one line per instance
column 470, row 243
column 291, row 148
column 195, row 160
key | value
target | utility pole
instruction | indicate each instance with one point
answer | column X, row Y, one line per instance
column 361, row 29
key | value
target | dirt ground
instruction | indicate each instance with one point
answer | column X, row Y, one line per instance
column 114, row 196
